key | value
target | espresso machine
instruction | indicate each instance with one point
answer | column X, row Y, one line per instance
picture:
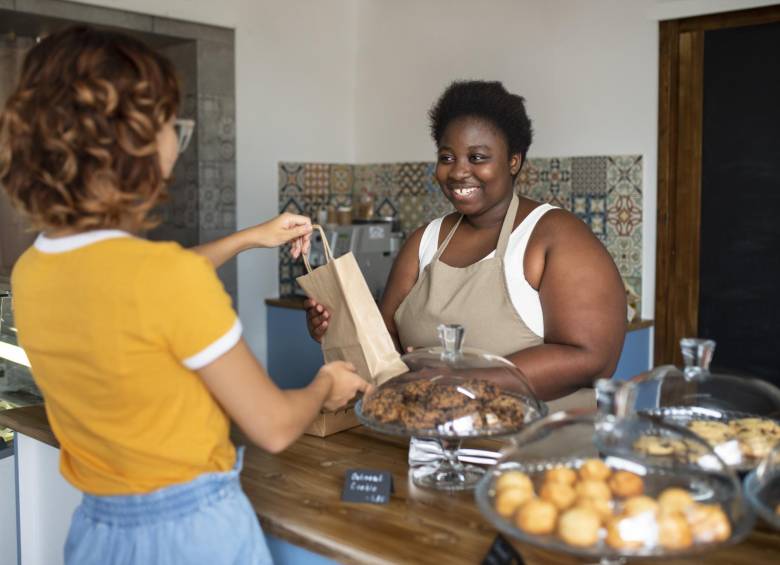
column 374, row 245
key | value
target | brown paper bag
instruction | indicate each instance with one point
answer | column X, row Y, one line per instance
column 356, row 331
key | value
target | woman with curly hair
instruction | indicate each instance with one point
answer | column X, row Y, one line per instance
column 134, row 344
column 527, row 280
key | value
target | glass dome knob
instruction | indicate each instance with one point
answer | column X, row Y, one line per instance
column 451, row 338
column 697, row 355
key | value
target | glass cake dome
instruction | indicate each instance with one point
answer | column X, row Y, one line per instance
column 738, row 416
column 451, row 393
column 579, row 483
column 762, row 488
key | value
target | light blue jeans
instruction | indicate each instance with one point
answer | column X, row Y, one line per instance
column 208, row 521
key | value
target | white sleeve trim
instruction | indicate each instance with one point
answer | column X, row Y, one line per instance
column 216, row 350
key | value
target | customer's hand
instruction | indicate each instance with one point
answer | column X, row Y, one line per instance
column 317, row 317
column 284, row 228
column 345, row 383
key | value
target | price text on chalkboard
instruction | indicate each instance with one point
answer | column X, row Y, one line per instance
column 367, row 485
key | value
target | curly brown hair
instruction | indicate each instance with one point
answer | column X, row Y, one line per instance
column 78, row 136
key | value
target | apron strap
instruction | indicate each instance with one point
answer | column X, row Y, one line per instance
column 506, row 227
column 503, row 237
column 446, row 241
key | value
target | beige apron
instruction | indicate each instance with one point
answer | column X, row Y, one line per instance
column 476, row 297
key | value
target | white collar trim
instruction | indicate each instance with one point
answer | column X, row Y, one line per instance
column 76, row 241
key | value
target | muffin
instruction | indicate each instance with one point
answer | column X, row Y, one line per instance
column 640, row 505
column 514, row 480
column 674, row 500
column 561, row 475
column 537, row 517
column 595, row 470
column 626, row 532
column 579, row 527
column 560, row 494
column 624, row 484
column 674, row 532
column 593, row 489
column 601, row 506
column 708, row 523
column 510, row 499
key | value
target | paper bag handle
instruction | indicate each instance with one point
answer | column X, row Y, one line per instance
column 325, row 247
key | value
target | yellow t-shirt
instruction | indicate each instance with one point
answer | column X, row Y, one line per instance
column 114, row 327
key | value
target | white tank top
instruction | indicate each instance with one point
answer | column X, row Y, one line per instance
column 524, row 298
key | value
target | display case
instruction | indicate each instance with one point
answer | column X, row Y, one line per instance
column 449, row 394
column 17, row 387
column 576, row 483
column 737, row 415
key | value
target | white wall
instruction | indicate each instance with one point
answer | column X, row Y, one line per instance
column 352, row 80
column 588, row 71
column 295, row 77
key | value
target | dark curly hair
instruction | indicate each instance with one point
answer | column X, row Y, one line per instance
column 78, row 135
column 489, row 101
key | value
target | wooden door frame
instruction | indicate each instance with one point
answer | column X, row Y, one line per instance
column 680, row 97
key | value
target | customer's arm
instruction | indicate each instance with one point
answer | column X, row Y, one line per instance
column 271, row 417
column 285, row 227
column 583, row 304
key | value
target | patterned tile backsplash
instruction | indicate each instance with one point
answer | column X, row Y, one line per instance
column 605, row 192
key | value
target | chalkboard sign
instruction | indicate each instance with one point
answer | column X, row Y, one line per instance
column 367, row 485
column 739, row 292
column 502, row 552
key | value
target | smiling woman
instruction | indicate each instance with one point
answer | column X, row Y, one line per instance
column 527, row 280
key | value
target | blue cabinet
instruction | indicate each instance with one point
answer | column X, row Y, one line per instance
column 293, row 356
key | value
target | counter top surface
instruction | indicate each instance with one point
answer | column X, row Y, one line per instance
column 296, row 494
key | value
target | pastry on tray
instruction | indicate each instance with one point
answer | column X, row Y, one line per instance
column 428, row 405
column 595, row 504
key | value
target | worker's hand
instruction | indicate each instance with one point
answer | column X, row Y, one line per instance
column 345, row 383
column 317, row 317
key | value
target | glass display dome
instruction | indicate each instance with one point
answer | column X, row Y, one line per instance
column 451, row 393
column 738, row 416
column 577, row 483
column 762, row 488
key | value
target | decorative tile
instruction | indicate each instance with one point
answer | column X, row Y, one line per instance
column 527, row 182
column 634, row 284
column 290, row 179
column 604, row 192
column 436, row 206
column 589, row 175
column 341, row 179
column 592, row 209
column 547, row 180
column 386, row 208
column 364, row 178
column 292, row 205
column 412, row 178
column 624, row 174
column 316, row 181
column 386, row 180
column 431, row 184
column 626, row 250
column 410, row 211
column 624, row 214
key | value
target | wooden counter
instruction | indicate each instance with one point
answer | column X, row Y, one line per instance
column 296, row 495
